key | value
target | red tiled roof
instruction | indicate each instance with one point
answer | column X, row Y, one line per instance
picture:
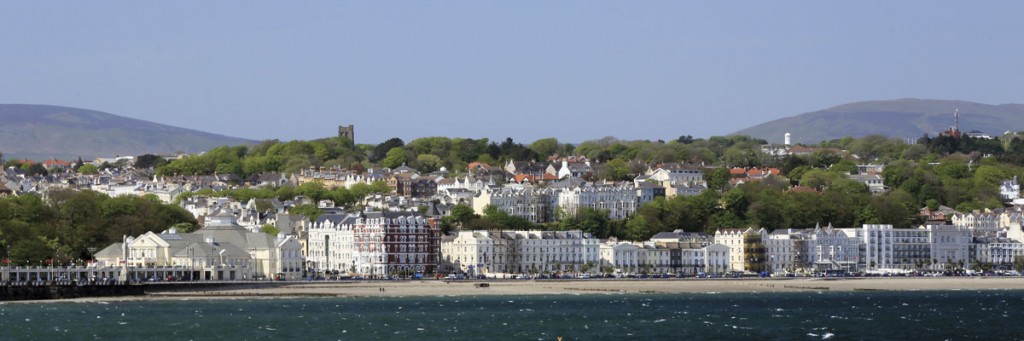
column 55, row 162
column 474, row 165
column 519, row 178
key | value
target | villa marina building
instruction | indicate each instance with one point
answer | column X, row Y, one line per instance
column 221, row 250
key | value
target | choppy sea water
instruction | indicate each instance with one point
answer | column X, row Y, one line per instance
column 948, row 315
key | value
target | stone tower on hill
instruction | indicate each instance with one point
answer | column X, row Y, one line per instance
column 349, row 132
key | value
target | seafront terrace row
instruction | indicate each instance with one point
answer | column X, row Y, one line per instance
column 110, row 275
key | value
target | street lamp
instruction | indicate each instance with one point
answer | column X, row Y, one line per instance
column 256, row 264
column 220, row 271
column 92, row 254
column 192, row 263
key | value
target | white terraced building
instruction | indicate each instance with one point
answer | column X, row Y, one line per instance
column 527, row 202
column 619, row 199
column 783, row 247
column 373, row 243
column 330, row 243
column 473, row 252
column 833, row 248
column 621, row 256
column 489, row 252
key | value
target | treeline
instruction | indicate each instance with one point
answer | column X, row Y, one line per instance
column 69, row 226
column 616, row 159
column 266, row 157
column 315, row 191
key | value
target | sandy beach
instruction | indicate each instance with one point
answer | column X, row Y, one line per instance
column 549, row 287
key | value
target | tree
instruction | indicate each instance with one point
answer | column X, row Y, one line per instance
column 36, row 169
column 313, row 190
column 462, row 213
column 871, row 147
column 395, row 158
column 428, row 162
column 270, row 229
column 618, row 170
column 30, row 251
column 185, row 227
column 545, row 147
column 767, row 214
column 310, row 211
column 844, row 166
column 724, row 219
column 88, row 169
column 817, row 179
column 718, row 178
column 593, row 221
column 381, row 150
column 147, row 161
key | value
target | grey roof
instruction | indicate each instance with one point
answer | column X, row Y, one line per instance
column 237, row 235
column 568, row 182
column 112, row 251
column 432, row 211
column 389, row 214
column 665, row 235
column 206, row 250
column 404, row 169
column 336, row 218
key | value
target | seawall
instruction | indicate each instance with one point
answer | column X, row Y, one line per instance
column 52, row 292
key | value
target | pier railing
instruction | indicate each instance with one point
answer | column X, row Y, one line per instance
column 108, row 275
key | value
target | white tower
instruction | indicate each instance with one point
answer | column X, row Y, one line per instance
column 788, row 138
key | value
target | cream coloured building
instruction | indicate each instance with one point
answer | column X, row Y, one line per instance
column 623, row 257
column 508, row 252
column 741, row 242
column 221, row 250
column 330, row 242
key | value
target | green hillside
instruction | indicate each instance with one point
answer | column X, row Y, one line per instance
column 908, row 118
column 45, row 131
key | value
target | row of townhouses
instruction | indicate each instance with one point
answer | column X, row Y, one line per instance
column 870, row 248
column 373, row 243
column 392, row 236
column 378, row 243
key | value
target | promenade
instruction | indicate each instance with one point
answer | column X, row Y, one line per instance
column 599, row 286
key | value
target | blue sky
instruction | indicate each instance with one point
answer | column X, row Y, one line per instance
column 575, row 70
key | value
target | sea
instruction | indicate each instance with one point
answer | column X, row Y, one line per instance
column 917, row 315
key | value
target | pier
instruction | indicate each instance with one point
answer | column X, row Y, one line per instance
column 81, row 275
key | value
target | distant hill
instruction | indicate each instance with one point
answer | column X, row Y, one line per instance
column 44, row 131
column 906, row 118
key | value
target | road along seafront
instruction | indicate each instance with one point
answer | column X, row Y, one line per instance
column 405, row 288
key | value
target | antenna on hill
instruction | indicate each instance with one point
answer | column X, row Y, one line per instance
column 956, row 119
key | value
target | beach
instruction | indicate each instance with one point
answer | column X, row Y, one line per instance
column 598, row 286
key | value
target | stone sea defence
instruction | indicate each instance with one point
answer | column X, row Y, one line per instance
column 50, row 292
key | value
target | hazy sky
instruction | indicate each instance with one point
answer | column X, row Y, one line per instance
column 575, row 70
